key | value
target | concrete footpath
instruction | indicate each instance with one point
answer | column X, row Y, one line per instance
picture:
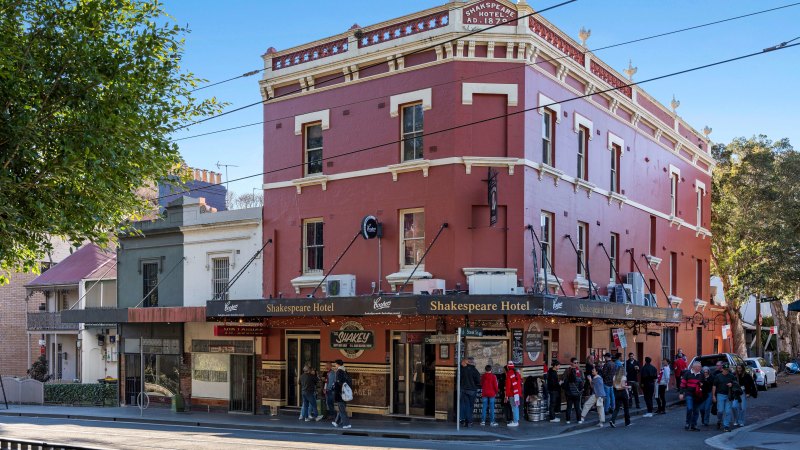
column 286, row 422
column 781, row 432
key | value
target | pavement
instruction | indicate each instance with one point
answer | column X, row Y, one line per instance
column 372, row 427
column 781, row 432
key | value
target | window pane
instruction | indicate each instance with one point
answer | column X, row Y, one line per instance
column 408, row 119
column 318, row 233
column 414, row 225
column 314, row 136
column 418, row 117
column 314, row 161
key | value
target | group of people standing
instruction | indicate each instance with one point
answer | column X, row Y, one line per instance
column 720, row 391
column 333, row 382
column 471, row 380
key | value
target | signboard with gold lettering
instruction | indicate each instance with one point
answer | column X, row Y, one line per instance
column 477, row 304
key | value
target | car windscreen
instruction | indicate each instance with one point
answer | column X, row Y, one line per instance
column 750, row 363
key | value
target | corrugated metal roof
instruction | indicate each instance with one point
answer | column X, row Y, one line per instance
column 89, row 261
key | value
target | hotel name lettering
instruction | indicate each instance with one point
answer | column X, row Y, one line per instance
column 502, row 306
column 299, row 309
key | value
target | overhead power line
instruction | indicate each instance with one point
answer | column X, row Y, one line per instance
column 782, row 46
column 393, row 58
column 633, row 41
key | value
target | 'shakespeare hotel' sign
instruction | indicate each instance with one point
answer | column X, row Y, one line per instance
column 393, row 305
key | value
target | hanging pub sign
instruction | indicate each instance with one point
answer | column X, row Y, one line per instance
column 492, row 197
column 370, row 228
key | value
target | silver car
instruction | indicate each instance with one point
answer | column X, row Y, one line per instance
column 764, row 375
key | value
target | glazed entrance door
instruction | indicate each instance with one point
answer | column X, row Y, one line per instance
column 300, row 352
column 414, row 379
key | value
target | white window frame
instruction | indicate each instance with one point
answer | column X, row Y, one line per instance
column 548, row 135
column 582, row 245
column 306, row 247
column 673, row 261
column 700, row 187
column 402, row 249
column 616, row 176
column 583, row 152
column 403, row 134
column 547, row 238
column 613, row 256
column 306, row 149
column 674, row 182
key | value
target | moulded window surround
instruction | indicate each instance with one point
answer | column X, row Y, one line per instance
column 411, row 129
column 323, row 117
column 546, row 103
column 422, row 96
column 582, row 121
column 313, row 246
column 673, row 274
column 616, row 159
column 584, row 134
column 549, row 118
column 613, row 252
column 700, row 188
column 546, row 238
column 468, row 90
column 412, row 237
column 582, row 243
column 673, row 183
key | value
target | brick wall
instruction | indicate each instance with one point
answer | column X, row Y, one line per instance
column 13, row 325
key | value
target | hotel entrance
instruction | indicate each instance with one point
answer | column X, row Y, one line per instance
column 413, row 375
column 301, row 350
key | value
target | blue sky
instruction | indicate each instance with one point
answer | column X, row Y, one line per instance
column 755, row 96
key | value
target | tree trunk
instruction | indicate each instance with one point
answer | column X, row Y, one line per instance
column 784, row 332
column 794, row 330
column 738, row 344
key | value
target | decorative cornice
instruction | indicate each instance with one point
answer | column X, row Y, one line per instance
column 311, row 180
column 654, row 261
column 489, row 161
column 410, row 166
column 550, row 170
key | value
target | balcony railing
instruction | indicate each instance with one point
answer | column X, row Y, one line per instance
column 48, row 321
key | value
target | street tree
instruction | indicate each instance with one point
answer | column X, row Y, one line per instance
column 90, row 91
column 755, row 219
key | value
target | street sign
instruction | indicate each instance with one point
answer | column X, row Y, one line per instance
column 472, row 332
column 441, row 339
column 619, row 338
column 773, row 330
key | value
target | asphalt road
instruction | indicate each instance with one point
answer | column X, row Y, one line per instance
column 657, row 432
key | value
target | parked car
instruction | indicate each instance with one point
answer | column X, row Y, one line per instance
column 763, row 373
column 732, row 359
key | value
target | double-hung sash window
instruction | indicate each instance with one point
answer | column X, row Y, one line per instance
column 653, row 235
column 312, row 246
column 412, row 123
column 673, row 274
column 313, row 149
column 548, row 137
column 546, row 235
column 149, row 283
column 700, row 193
column 699, row 279
column 674, row 194
column 220, row 272
column 583, row 153
column 583, row 234
column 613, row 253
column 412, row 237
column 616, row 151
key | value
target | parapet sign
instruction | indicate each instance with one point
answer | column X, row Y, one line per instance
column 488, row 13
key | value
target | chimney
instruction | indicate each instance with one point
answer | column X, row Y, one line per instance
column 219, row 178
column 196, row 174
column 205, row 175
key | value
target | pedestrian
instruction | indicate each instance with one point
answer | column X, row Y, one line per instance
column 342, row 378
column 470, row 381
column 748, row 389
column 573, row 387
column 663, row 383
column 608, row 372
column 648, row 377
column 597, row 399
column 513, row 393
column 622, row 400
column 691, row 390
column 587, row 373
column 705, row 405
column 308, row 391
column 632, row 368
column 724, row 386
column 328, row 390
column 489, row 390
column 680, row 366
column 554, row 389
column 717, row 369
column 680, row 355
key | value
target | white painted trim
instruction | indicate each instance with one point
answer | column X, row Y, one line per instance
column 422, row 95
column 489, row 161
column 547, row 102
column 398, row 278
column 470, row 89
column 614, row 139
column 473, row 270
column 700, row 185
column 675, row 170
column 582, row 121
column 323, row 116
column 307, row 281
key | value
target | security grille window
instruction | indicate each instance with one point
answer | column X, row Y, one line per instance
column 583, row 156
column 546, row 235
column 548, row 137
column 149, row 283
column 674, row 194
column 616, row 152
column 312, row 246
column 313, row 149
column 412, row 239
column 219, row 277
column 673, row 273
column 583, row 230
column 412, row 131
column 614, row 253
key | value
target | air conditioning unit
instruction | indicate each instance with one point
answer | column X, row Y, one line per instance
column 428, row 286
column 340, row 286
column 492, row 284
column 636, row 281
column 650, row 300
column 617, row 293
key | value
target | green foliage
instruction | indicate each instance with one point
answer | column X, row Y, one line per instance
column 38, row 370
column 89, row 92
column 76, row 394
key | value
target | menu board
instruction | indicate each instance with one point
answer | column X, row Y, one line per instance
column 517, row 349
column 488, row 352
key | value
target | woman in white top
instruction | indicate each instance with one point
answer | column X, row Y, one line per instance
column 663, row 382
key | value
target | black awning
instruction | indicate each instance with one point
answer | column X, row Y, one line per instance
column 95, row 315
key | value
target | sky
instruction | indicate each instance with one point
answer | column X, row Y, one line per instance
column 745, row 98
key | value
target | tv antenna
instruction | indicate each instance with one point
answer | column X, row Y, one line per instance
column 220, row 166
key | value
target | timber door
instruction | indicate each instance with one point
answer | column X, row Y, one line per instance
column 300, row 352
column 414, row 379
column 242, row 384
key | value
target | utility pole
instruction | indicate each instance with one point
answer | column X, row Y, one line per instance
column 759, row 351
column 220, row 166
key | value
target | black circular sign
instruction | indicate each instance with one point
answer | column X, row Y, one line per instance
column 369, row 227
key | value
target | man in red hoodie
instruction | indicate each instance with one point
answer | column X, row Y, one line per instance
column 680, row 367
column 489, row 389
column 513, row 392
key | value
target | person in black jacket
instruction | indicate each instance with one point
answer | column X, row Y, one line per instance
column 470, row 382
column 342, row 377
column 749, row 389
column 706, row 403
column 554, row 388
column 648, row 376
column 632, row 368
